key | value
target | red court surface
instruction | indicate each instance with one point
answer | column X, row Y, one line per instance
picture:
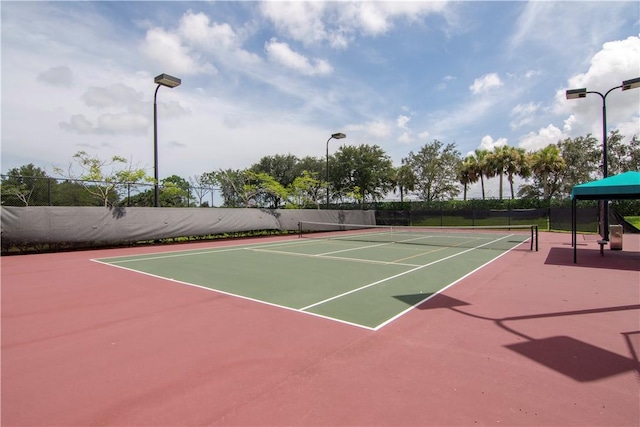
column 531, row 339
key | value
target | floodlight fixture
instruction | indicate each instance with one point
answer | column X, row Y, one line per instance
column 631, row 84
column 576, row 93
column 167, row 80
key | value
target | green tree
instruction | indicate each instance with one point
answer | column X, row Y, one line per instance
column 622, row 157
column 632, row 160
column 360, row 172
column 435, row 167
column 231, row 183
column 25, row 185
column 314, row 165
column 307, row 190
column 581, row 156
column 175, row 192
column 263, row 190
column 105, row 179
column 282, row 169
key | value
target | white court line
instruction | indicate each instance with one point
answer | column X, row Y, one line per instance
column 400, row 274
column 336, row 258
column 402, row 313
column 236, row 295
column 190, row 252
column 353, row 249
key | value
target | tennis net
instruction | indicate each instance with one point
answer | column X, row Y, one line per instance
column 489, row 237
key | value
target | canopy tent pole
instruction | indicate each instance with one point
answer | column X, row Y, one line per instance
column 574, row 231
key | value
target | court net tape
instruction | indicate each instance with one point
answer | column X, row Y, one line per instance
column 489, row 237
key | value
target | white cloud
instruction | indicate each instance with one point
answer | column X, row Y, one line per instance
column 127, row 115
column 78, row 123
column 281, row 53
column 536, row 140
column 542, row 24
column 302, row 21
column 488, row 143
column 402, row 121
column 370, row 18
column 338, row 23
column 197, row 30
column 568, row 123
column 375, row 18
column 219, row 39
column 376, row 128
column 445, row 82
column 108, row 124
column 523, row 114
column 112, row 96
column 485, row 83
column 405, row 138
column 122, row 124
column 167, row 49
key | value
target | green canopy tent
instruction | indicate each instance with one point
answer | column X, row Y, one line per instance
column 617, row 187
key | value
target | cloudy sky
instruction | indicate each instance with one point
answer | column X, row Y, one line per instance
column 267, row 78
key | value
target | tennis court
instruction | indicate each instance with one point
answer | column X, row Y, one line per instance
column 365, row 276
column 528, row 339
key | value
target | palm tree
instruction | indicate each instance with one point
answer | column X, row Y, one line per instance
column 515, row 163
column 468, row 173
column 484, row 169
column 496, row 162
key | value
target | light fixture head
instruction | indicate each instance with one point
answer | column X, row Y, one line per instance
column 338, row 135
column 576, row 93
column 631, row 84
column 167, row 80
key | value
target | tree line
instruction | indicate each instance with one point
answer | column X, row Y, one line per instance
column 360, row 174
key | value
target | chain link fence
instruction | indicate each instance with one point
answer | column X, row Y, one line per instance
column 47, row 191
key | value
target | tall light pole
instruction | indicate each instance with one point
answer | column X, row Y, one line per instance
column 334, row 136
column 170, row 82
column 582, row 93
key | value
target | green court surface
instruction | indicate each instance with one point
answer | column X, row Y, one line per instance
column 366, row 284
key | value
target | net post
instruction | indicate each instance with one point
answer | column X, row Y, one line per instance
column 536, row 238
column 531, row 244
column 299, row 229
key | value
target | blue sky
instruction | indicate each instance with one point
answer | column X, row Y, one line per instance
column 266, row 78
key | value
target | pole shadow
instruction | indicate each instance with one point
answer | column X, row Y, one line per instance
column 566, row 355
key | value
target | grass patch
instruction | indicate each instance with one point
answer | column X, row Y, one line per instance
column 634, row 220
